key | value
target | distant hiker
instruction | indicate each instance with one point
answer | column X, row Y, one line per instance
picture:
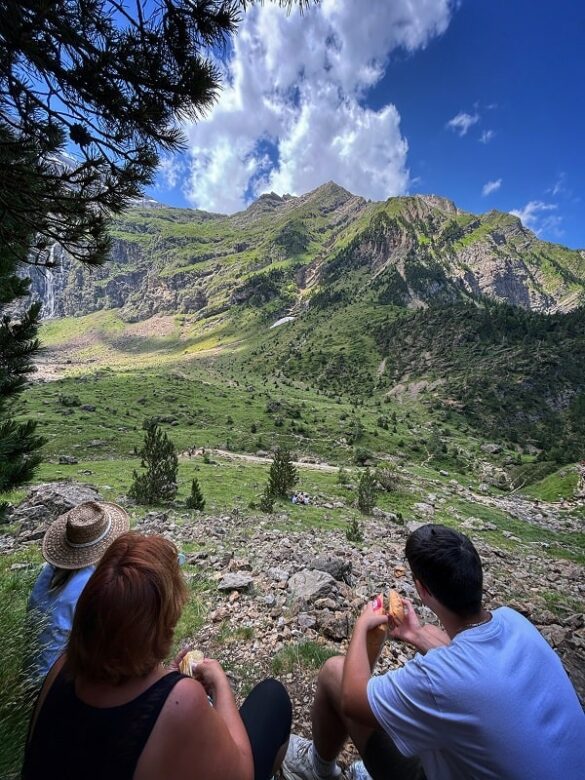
column 110, row 709
column 487, row 697
column 72, row 546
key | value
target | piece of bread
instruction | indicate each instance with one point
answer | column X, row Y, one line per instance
column 395, row 606
column 190, row 661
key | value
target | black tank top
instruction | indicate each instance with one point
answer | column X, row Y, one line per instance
column 73, row 741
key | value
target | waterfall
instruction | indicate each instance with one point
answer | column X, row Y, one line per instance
column 49, row 297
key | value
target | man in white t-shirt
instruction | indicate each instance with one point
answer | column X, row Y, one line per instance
column 486, row 697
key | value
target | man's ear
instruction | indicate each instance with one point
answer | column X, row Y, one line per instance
column 422, row 590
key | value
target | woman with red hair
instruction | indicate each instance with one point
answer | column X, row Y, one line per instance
column 110, row 709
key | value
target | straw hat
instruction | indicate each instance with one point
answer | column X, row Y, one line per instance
column 81, row 536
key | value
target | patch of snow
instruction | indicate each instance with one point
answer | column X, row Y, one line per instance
column 281, row 321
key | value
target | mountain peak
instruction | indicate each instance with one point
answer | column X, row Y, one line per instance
column 331, row 188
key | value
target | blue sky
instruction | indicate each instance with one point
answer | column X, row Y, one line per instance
column 480, row 101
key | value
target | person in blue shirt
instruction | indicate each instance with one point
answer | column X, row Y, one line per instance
column 486, row 697
column 72, row 546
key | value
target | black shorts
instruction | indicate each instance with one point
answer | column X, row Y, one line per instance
column 383, row 760
column 267, row 716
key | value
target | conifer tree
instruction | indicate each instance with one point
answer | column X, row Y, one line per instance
column 283, row 475
column 266, row 502
column 366, row 492
column 19, row 442
column 159, row 458
column 195, row 500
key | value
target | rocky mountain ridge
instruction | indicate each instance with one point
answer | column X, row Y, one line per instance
column 283, row 250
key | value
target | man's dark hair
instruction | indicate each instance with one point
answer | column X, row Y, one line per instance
column 448, row 565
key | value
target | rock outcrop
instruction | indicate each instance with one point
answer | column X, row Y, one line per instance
column 167, row 260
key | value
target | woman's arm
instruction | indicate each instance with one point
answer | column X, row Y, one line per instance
column 217, row 686
column 192, row 739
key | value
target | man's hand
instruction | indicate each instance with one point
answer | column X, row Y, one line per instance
column 410, row 630
column 369, row 619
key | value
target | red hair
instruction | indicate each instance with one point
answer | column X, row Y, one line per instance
column 127, row 613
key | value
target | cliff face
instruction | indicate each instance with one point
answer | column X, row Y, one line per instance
column 408, row 251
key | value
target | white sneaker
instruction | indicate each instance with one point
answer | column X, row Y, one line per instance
column 358, row 771
column 298, row 762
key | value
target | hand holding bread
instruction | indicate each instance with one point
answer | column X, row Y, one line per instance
column 190, row 661
column 376, row 636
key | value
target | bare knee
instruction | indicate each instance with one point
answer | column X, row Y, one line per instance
column 331, row 675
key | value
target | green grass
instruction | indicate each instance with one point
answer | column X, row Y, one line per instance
column 554, row 487
column 229, row 635
column 194, row 612
column 306, row 655
column 556, row 544
column 561, row 605
column 16, row 693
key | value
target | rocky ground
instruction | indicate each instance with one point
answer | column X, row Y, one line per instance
column 273, row 601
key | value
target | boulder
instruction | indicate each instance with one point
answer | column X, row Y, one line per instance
column 422, row 508
column 277, row 574
column 309, row 585
column 338, row 568
column 237, row 580
column 45, row 502
column 334, row 625
column 305, row 620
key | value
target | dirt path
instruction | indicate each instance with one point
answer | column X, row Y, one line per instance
column 257, row 459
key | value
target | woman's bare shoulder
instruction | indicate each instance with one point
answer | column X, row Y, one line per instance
column 188, row 695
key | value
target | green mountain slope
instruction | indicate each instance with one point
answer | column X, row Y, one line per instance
column 283, row 250
column 412, row 297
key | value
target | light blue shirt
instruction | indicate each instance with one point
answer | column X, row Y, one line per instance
column 496, row 703
column 55, row 609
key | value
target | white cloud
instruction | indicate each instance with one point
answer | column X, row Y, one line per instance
column 537, row 217
column 491, row 186
column 292, row 113
column 486, row 136
column 462, row 121
column 170, row 170
column 560, row 185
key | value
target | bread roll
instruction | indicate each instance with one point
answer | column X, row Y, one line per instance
column 395, row 606
column 190, row 661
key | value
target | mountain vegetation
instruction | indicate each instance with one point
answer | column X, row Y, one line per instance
column 340, row 329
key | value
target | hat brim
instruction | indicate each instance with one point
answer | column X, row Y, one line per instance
column 57, row 552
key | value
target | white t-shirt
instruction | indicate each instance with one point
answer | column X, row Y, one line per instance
column 496, row 703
